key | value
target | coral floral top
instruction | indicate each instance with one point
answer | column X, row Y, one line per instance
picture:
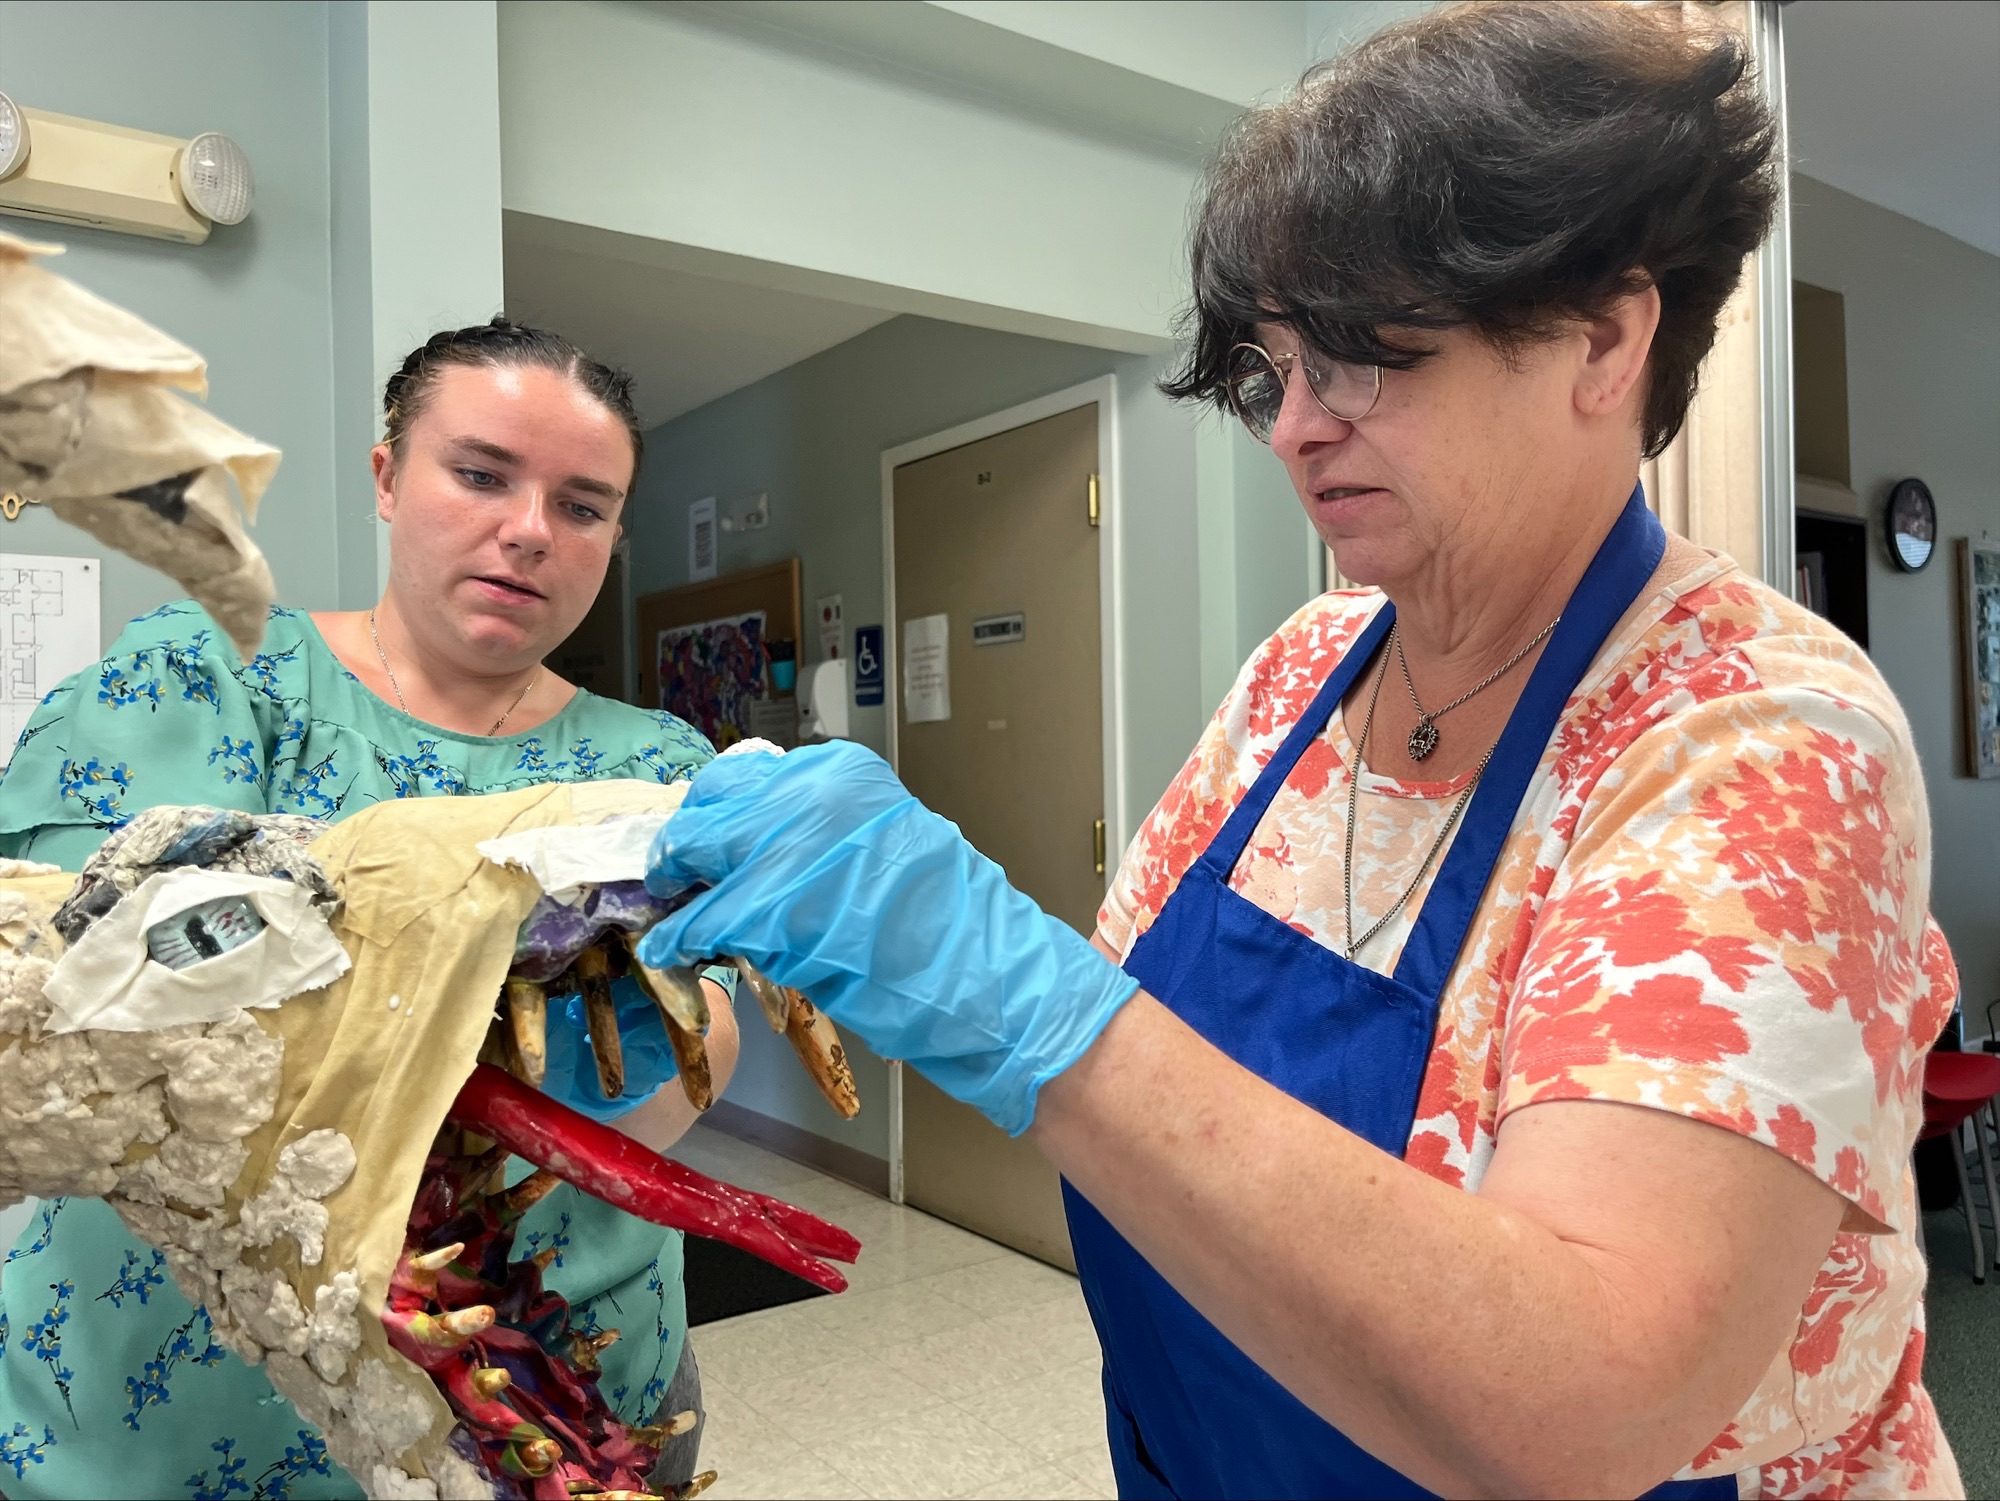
column 1715, row 901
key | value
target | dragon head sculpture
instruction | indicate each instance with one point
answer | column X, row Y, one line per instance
column 321, row 1165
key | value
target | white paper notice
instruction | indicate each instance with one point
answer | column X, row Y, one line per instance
column 927, row 669
column 48, row 630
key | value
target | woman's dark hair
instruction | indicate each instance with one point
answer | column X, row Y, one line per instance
column 492, row 346
column 1508, row 167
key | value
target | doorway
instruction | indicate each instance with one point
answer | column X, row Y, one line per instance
column 998, row 625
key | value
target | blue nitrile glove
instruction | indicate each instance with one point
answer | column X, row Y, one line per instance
column 572, row 1074
column 831, row 878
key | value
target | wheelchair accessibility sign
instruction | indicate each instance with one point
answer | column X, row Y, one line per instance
column 867, row 665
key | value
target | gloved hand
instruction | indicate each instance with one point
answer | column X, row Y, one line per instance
column 831, row 878
column 572, row 1070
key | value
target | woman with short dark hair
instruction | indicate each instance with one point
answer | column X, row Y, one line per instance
column 1498, row 1062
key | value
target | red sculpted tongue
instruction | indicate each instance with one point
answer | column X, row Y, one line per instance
column 609, row 1165
column 519, row 1372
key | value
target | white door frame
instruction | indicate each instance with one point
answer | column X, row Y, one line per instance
column 1103, row 393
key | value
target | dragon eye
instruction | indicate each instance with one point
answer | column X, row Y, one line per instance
column 204, row 932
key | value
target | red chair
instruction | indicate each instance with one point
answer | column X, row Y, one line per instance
column 1961, row 1088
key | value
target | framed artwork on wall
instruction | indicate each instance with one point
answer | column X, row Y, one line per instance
column 1979, row 607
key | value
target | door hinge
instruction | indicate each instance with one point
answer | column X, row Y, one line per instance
column 1095, row 490
column 1098, row 833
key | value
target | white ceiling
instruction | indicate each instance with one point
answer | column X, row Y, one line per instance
column 687, row 339
column 1898, row 102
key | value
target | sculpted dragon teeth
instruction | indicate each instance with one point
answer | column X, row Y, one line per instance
column 770, row 996
column 592, row 971
column 811, row 1034
column 527, row 1007
column 676, row 995
column 499, row 1346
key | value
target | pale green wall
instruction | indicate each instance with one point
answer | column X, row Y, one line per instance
column 255, row 299
column 1923, row 384
column 812, row 438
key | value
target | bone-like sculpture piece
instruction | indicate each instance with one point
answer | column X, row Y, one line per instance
column 93, row 424
column 321, row 1174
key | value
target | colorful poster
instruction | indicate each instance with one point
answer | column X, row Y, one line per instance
column 711, row 674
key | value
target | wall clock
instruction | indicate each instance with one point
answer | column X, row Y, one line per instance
column 1911, row 521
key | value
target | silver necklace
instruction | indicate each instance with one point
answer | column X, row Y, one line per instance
column 1354, row 946
column 397, row 688
column 1424, row 738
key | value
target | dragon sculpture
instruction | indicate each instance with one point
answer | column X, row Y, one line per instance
column 296, row 1058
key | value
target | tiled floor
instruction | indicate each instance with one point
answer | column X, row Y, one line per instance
column 951, row 1367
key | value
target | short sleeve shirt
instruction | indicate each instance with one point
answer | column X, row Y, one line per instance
column 1714, row 901
column 111, row 1383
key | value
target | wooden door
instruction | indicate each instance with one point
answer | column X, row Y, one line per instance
column 999, row 538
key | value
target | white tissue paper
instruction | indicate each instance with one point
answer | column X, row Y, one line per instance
column 109, row 983
column 565, row 858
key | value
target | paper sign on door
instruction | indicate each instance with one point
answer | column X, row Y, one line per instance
column 927, row 669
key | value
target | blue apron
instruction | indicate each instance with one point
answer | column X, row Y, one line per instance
column 1190, row 1414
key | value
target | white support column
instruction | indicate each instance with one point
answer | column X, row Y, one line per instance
column 415, row 96
column 1774, row 315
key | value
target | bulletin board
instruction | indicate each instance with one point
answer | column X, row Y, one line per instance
column 772, row 593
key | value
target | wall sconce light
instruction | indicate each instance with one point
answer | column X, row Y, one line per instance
column 66, row 170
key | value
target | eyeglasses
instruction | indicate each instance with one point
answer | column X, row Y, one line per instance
column 1257, row 387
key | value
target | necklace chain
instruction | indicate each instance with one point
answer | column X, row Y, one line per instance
column 403, row 704
column 1354, row 945
column 1424, row 737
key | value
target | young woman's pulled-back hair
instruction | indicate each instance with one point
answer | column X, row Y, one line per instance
column 1508, row 166
column 494, row 345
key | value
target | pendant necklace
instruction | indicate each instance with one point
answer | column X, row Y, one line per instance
column 1355, row 945
column 397, row 688
column 1424, row 738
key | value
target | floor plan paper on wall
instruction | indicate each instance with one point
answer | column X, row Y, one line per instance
column 927, row 669
column 48, row 630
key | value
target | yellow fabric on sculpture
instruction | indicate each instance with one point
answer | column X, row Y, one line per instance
column 297, row 1136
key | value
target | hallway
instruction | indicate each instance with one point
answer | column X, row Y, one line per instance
column 952, row 1367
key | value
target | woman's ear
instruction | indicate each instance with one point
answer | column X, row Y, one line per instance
column 382, row 461
column 1616, row 345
